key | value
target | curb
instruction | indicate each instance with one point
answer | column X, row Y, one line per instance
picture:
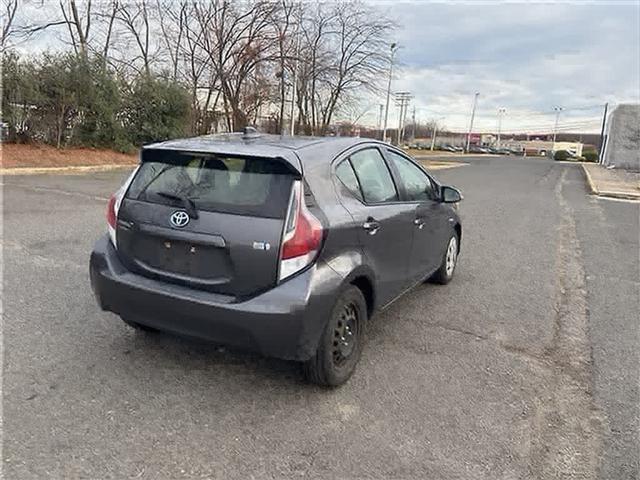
column 79, row 169
column 605, row 193
column 444, row 167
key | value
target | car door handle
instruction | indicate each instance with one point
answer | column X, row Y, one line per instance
column 371, row 226
column 418, row 222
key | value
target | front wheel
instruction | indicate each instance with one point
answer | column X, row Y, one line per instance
column 341, row 343
column 444, row 274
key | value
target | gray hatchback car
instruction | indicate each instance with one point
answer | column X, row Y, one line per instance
column 282, row 245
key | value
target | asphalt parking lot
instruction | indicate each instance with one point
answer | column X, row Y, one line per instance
column 525, row 366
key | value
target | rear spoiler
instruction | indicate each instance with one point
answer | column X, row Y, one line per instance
column 232, row 149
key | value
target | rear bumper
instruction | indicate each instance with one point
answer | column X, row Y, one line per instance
column 284, row 322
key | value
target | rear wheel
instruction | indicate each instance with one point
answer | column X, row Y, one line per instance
column 341, row 343
column 444, row 274
column 138, row 326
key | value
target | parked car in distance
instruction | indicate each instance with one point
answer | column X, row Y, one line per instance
column 283, row 245
column 477, row 149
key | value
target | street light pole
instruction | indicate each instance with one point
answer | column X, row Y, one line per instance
column 413, row 120
column 555, row 127
column 400, row 120
column 394, row 47
column 435, row 132
column 602, row 142
column 501, row 112
column 473, row 114
column 433, row 136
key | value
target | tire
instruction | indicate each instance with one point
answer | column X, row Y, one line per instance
column 341, row 342
column 444, row 274
column 138, row 326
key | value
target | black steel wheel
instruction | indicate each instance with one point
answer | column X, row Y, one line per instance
column 342, row 341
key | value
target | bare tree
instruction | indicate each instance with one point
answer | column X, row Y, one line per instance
column 196, row 72
column 134, row 17
column 173, row 23
column 237, row 40
column 316, row 57
column 282, row 24
column 111, row 17
column 10, row 8
column 359, row 39
column 78, row 32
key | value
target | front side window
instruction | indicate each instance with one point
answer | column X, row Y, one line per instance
column 416, row 183
column 374, row 177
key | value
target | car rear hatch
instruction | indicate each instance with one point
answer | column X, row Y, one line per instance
column 208, row 221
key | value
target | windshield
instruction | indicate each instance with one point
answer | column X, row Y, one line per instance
column 244, row 186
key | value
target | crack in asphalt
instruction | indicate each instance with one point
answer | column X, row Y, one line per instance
column 568, row 427
column 58, row 191
column 38, row 259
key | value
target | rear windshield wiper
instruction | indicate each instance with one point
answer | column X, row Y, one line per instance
column 189, row 206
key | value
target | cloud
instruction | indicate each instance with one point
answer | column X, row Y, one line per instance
column 524, row 57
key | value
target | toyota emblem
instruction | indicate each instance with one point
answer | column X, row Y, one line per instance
column 179, row 218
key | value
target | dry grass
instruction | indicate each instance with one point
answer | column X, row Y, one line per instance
column 17, row 156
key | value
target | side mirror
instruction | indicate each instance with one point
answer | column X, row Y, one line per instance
column 450, row 194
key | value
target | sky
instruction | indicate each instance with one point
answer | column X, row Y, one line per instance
column 524, row 57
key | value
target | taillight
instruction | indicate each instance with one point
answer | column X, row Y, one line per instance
column 111, row 212
column 302, row 237
column 114, row 205
column 112, row 217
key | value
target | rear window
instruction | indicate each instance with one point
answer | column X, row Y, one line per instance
column 217, row 183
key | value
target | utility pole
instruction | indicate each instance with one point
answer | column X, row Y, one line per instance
column 435, row 132
column 413, row 121
column 555, row 127
column 400, row 120
column 501, row 112
column 380, row 117
column 433, row 135
column 394, row 47
column 602, row 141
column 473, row 114
column 402, row 101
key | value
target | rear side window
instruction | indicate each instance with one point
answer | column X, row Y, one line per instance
column 373, row 176
column 347, row 176
column 243, row 186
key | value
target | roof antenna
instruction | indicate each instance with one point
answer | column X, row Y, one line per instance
column 250, row 132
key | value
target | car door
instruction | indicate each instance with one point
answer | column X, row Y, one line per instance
column 430, row 216
column 384, row 223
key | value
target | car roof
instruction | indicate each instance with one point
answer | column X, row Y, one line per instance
column 294, row 149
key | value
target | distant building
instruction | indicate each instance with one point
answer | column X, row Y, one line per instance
column 542, row 147
column 622, row 140
column 489, row 140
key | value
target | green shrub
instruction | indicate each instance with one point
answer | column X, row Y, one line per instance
column 155, row 109
column 561, row 155
column 66, row 99
column 590, row 156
